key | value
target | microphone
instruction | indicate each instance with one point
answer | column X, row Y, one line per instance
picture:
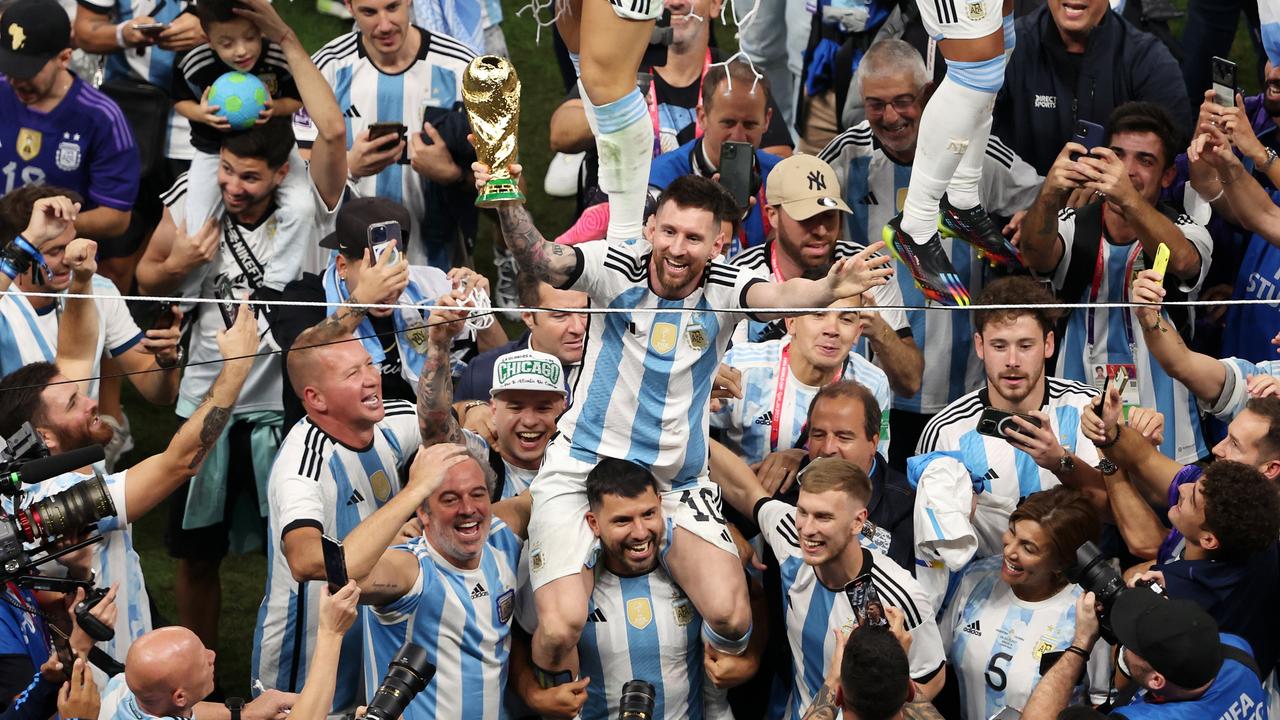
column 52, row 466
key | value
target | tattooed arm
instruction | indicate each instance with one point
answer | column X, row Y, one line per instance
column 153, row 479
column 553, row 264
column 435, row 380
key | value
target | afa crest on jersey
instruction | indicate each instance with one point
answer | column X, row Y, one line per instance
column 69, row 154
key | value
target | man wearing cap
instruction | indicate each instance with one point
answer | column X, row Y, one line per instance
column 56, row 129
column 356, row 276
column 873, row 160
column 1179, row 664
column 804, row 204
column 527, row 395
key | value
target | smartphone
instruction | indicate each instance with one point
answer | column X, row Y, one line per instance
column 164, row 316
column 335, row 563
column 1161, row 262
column 993, row 422
column 735, row 171
column 868, row 609
column 379, row 129
column 228, row 304
column 1088, row 134
column 384, row 236
column 151, row 30
column 1224, row 82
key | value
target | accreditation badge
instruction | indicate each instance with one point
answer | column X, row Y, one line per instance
column 29, row 143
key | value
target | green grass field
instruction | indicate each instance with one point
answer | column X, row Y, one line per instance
column 243, row 576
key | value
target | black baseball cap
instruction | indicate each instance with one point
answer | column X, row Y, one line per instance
column 350, row 234
column 32, row 32
column 1176, row 637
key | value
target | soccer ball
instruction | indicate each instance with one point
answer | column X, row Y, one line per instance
column 240, row 98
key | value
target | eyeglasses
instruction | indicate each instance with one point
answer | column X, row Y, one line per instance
column 900, row 104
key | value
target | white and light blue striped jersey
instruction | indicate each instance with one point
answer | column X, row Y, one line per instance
column 264, row 387
column 1235, row 391
column 114, row 559
column 875, row 188
column 515, row 480
column 645, row 385
column 367, row 95
column 28, row 335
column 1183, row 440
column 758, row 259
column 462, row 618
column 748, row 423
column 814, row 611
column 318, row 482
column 150, row 63
column 1007, row 473
column 119, row 702
column 995, row 641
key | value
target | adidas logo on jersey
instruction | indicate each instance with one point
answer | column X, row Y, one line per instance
column 765, row 419
column 991, row 475
column 974, row 628
column 596, row 615
column 355, row 498
column 352, row 112
column 478, row 592
column 869, row 199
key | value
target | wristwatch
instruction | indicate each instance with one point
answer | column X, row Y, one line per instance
column 1066, row 464
column 1106, row 467
column 235, row 705
column 1271, row 157
column 177, row 360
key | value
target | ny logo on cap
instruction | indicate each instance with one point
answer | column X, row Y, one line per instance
column 816, row 181
column 17, row 37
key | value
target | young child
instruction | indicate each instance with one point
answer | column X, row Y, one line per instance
column 235, row 43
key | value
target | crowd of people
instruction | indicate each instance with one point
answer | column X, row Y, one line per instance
column 883, row 371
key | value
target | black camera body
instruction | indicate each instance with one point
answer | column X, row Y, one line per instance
column 1093, row 572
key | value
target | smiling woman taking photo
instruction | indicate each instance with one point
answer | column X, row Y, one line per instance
column 1011, row 609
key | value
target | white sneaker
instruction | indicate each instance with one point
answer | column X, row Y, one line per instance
column 562, row 175
column 336, row 8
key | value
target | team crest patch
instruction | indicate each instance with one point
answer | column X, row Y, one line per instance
column 68, row 156
column 418, row 339
column 536, row 559
column 697, row 337
column 683, row 610
column 273, row 84
column 506, row 606
column 639, row 613
column 28, row 143
column 381, row 485
column 976, row 10
column 663, row 337
column 1042, row 647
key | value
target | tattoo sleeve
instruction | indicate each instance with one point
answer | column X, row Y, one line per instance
column 552, row 263
column 210, row 430
column 435, row 398
column 347, row 318
column 823, row 706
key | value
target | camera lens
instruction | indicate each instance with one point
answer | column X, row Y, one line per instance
column 1094, row 574
column 71, row 510
column 637, row 701
column 407, row 675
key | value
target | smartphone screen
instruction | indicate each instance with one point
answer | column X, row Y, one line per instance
column 868, row 609
column 1224, row 82
column 335, row 563
column 735, row 171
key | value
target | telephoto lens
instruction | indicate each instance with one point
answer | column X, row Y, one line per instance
column 407, row 675
column 636, row 701
column 70, row 511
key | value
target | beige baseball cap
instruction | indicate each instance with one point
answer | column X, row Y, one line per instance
column 804, row 186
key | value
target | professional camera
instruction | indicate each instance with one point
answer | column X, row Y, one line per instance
column 408, row 674
column 25, row 461
column 1094, row 573
column 636, row 701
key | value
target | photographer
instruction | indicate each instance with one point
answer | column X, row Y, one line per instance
column 1222, row 551
column 1178, row 663
column 67, row 419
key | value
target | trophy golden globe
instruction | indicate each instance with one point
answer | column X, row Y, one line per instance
column 491, row 95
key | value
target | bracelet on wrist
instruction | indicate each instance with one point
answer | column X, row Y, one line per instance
column 20, row 254
column 1216, row 198
column 1108, row 443
column 120, row 42
column 7, row 269
column 1077, row 650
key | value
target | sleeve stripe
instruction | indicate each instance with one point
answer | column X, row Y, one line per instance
column 787, row 529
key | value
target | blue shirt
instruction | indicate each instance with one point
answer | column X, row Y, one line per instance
column 83, row 144
column 21, row 632
column 1248, row 329
column 1234, row 693
column 679, row 162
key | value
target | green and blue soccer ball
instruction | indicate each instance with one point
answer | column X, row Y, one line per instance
column 240, row 98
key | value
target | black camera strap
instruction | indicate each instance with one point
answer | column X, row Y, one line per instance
column 240, row 250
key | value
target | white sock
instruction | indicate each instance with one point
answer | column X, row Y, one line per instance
column 624, row 141
column 589, row 109
column 962, row 193
column 951, row 120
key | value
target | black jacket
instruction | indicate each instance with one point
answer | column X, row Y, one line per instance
column 1044, row 93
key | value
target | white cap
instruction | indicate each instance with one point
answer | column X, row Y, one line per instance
column 527, row 370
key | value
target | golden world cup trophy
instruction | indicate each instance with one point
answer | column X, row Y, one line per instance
column 491, row 95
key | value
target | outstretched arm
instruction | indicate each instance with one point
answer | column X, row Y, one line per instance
column 553, row 264
column 1203, row 375
column 737, row 482
column 847, row 278
column 78, row 326
column 435, row 383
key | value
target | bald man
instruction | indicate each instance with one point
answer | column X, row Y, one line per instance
column 168, row 673
column 338, row 465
